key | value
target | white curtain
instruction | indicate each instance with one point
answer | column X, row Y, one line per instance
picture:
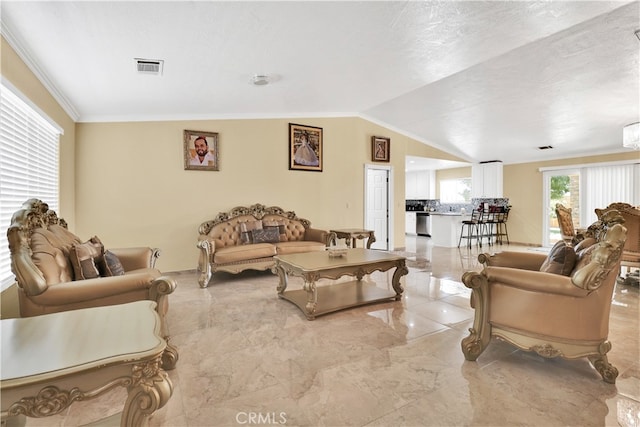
column 603, row 185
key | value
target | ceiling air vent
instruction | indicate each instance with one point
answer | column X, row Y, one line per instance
column 149, row 66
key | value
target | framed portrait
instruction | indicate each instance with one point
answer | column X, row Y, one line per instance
column 380, row 149
column 200, row 150
column 305, row 148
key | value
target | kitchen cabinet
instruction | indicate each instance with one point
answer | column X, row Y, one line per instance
column 410, row 223
column 420, row 184
column 486, row 180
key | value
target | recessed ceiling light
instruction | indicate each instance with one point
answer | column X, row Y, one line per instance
column 260, row 79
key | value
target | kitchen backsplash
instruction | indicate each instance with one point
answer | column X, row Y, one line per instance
column 434, row 205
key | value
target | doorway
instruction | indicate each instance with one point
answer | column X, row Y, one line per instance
column 377, row 194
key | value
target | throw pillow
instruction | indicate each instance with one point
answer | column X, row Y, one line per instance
column 83, row 257
column 561, row 259
column 584, row 257
column 246, row 228
column 110, row 265
column 584, row 244
column 266, row 235
column 279, row 224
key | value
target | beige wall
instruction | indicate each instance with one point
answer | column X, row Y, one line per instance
column 132, row 188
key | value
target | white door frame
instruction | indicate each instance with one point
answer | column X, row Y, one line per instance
column 390, row 204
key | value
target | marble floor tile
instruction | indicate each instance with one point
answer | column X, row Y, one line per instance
column 250, row 358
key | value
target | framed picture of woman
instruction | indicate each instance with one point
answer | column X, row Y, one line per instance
column 380, row 149
column 305, row 148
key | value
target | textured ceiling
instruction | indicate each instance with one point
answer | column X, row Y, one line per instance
column 480, row 80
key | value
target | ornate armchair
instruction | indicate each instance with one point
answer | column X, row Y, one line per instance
column 554, row 305
column 47, row 260
column 631, row 252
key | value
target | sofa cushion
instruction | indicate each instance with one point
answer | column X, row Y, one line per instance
column 244, row 252
column 110, row 265
column 265, row 235
column 299, row 246
column 245, row 229
column 85, row 257
column 561, row 259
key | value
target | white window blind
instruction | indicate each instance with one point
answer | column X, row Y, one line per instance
column 29, row 147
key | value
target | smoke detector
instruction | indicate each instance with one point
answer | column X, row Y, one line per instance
column 149, row 66
column 260, row 79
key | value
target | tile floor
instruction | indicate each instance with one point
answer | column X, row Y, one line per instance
column 249, row 358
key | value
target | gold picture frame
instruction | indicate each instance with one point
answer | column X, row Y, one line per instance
column 305, row 148
column 380, row 149
column 207, row 144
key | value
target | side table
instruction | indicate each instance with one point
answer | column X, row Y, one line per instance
column 351, row 234
column 53, row 360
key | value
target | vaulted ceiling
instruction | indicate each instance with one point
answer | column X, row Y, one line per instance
column 480, row 80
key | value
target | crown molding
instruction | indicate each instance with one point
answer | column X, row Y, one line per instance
column 27, row 58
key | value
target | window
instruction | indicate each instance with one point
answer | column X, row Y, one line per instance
column 455, row 190
column 584, row 188
column 29, row 146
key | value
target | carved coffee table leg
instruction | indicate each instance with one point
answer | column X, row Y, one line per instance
column 312, row 297
column 401, row 270
column 371, row 240
column 282, row 285
column 150, row 390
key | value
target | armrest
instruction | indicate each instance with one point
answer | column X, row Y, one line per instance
column 535, row 281
column 67, row 293
column 522, row 260
column 136, row 258
column 316, row 235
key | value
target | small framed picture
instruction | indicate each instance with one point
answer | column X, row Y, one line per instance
column 200, row 150
column 305, row 148
column 380, row 149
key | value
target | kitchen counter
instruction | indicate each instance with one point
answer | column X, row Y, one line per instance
column 447, row 213
column 445, row 228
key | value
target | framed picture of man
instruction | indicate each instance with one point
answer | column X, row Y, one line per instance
column 305, row 148
column 200, row 150
column 380, row 149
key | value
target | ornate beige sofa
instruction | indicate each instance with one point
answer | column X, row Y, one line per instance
column 555, row 305
column 55, row 271
column 231, row 243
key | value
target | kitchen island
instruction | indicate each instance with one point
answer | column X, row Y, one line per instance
column 445, row 228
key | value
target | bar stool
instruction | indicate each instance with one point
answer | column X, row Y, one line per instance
column 486, row 225
column 473, row 229
column 501, row 225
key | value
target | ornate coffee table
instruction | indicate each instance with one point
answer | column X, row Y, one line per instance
column 53, row 360
column 317, row 300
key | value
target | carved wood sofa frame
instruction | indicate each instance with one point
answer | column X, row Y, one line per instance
column 226, row 224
